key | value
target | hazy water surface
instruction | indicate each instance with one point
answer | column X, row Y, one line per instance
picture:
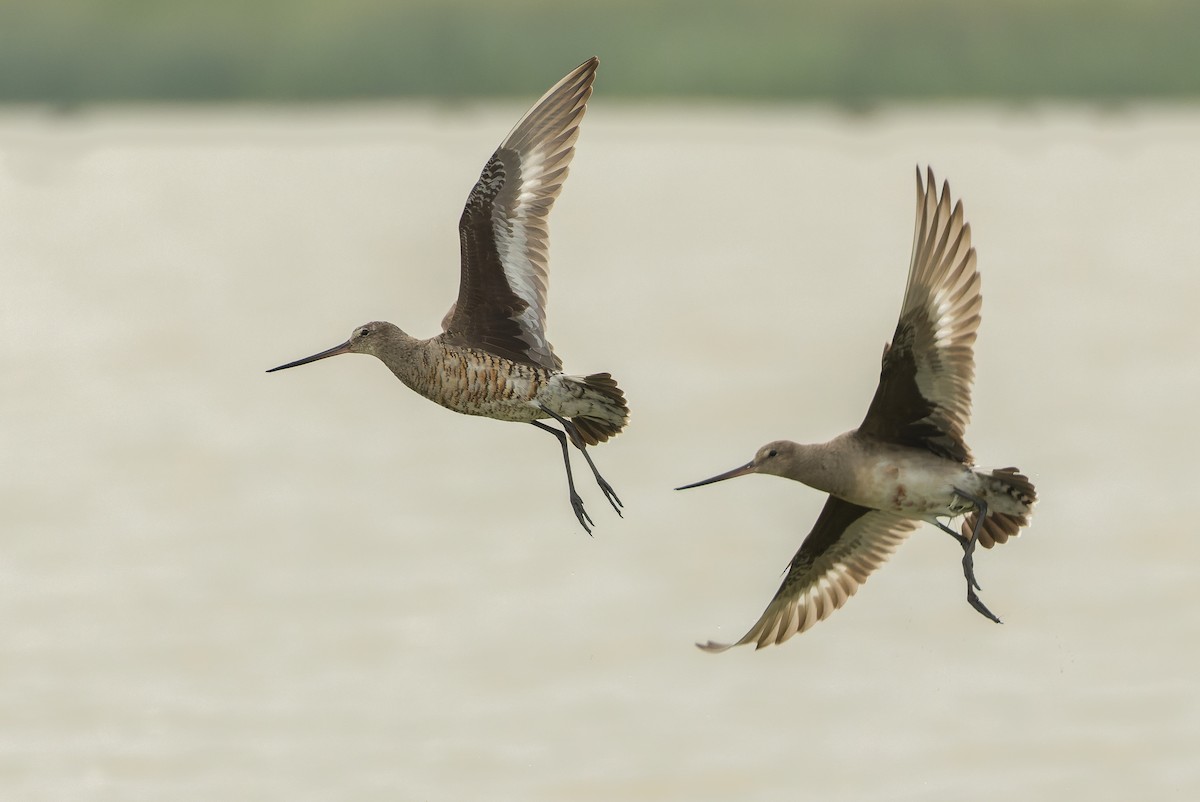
column 219, row 584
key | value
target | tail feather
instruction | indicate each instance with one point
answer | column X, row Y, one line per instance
column 998, row 527
column 613, row 416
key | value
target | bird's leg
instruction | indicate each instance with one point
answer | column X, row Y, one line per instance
column 607, row 489
column 576, row 501
column 968, row 544
column 962, row 540
column 965, row 542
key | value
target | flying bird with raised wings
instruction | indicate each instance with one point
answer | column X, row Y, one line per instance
column 907, row 461
column 492, row 357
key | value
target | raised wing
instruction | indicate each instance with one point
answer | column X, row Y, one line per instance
column 924, row 394
column 501, row 304
column 846, row 544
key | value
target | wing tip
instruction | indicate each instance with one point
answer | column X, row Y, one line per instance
column 712, row 647
column 582, row 76
column 929, row 180
column 930, row 183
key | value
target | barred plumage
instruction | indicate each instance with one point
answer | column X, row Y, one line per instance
column 493, row 358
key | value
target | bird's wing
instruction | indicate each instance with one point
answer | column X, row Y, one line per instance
column 846, row 544
column 501, row 304
column 924, row 394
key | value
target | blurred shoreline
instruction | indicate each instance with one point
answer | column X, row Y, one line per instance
column 849, row 53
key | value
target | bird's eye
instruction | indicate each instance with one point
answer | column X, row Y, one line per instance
column 364, row 332
column 772, row 453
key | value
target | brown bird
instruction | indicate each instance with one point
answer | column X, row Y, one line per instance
column 492, row 357
column 907, row 462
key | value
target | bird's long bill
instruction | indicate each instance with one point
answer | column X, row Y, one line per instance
column 344, row 348
column 721, row 477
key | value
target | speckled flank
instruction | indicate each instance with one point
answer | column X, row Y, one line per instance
column 493, row 358
column 476, row 382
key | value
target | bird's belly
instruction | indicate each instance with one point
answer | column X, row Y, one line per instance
column 912, row 487
column 516, row 404
column 498, row 408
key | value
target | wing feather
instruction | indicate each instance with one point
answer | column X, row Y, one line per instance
column 846, row 544
column 503, row 235
column 924, row 394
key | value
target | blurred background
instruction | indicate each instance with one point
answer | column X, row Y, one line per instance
column 68, row 52
column 219, row 584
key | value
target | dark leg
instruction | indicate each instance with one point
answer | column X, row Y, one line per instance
column 576, row 501
column 968, row 561
column 962, row 541
column 577, row 441
column 609, row 493
column 966, row 544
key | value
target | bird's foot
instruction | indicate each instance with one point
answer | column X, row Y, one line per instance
column 610, row 494
column 980, row 607
column 585, row 520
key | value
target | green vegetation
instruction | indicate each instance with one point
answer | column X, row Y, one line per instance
column 856, row 51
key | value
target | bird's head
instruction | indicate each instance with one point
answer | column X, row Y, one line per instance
column 773, row 458
column 369, row 338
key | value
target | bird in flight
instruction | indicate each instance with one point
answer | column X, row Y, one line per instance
column 492, row 357
column 907, row 461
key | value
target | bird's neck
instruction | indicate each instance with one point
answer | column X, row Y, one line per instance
column 403, row 356
column 824, row 466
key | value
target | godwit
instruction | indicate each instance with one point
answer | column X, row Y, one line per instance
column 492, row 357
column 907, row 461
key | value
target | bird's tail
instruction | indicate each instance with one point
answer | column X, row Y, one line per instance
column 607, row 413
column 1013, row 495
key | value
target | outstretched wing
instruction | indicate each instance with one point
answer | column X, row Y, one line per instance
column 846, row 544
column 501, row 304
column 924, row 394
